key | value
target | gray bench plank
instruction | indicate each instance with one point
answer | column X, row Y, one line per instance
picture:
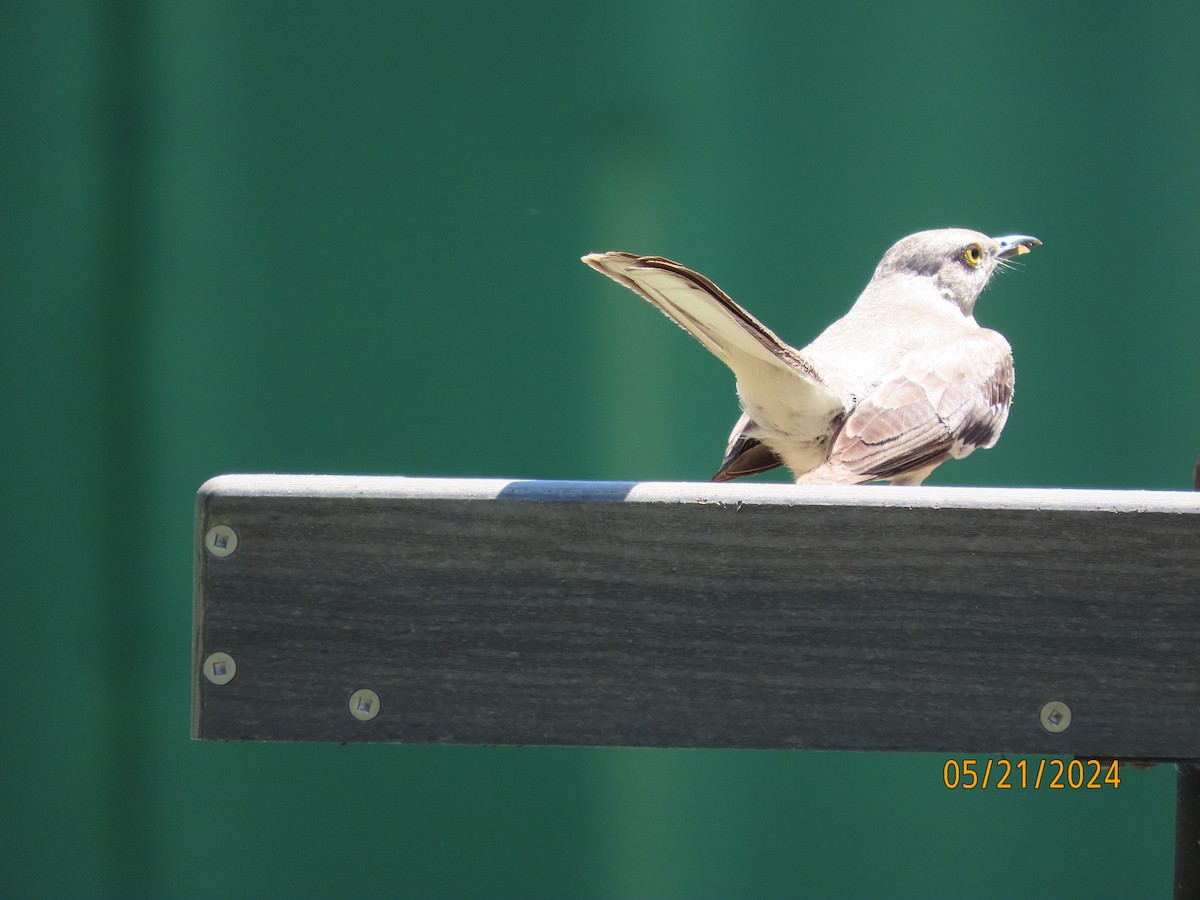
column 700, row 615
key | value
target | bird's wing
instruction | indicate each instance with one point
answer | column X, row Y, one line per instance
column 745, row 455
column 704, row 311
column 941, row 404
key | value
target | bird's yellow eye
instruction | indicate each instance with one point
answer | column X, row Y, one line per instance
column 973, row 255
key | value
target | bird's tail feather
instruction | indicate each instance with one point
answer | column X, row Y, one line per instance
column 703, row 310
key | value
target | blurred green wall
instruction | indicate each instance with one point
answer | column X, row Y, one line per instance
column 344, row 237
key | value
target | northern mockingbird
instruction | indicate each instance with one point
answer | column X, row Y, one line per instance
column 904, row 381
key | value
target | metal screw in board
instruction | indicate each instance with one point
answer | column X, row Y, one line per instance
column 1055, row 717
column 221, row 541
column 220, row 668
column 364, row 704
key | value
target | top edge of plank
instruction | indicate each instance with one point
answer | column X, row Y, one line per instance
column 678, row 492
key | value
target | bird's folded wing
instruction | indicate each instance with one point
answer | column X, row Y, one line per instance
column 744, row 454
column 942, row 404
column 703, row 310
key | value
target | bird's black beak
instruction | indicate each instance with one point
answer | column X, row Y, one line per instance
column 1015, row 245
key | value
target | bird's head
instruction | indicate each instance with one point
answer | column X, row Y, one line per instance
column 960, row 261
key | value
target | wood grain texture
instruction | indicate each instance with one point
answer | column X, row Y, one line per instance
column 701, row 615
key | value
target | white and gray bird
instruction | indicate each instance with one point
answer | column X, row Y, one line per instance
column 904, row 381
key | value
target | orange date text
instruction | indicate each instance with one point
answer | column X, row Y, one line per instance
column 1030, row 774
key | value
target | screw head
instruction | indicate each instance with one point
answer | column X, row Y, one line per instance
column 1055, row 717
column 364, row 704
column 219, row 668
column 221, row 541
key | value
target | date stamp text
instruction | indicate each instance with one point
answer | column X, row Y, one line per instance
column 1030, row 774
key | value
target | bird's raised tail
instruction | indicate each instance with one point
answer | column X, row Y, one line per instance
column 782, row 394
column 701, row 309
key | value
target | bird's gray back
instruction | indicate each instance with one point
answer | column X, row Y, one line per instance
column 893, row 317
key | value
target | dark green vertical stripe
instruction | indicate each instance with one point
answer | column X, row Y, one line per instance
column 124, row 107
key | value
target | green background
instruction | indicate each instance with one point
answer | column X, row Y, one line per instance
column 344, row 237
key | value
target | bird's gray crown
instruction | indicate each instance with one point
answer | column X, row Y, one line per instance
column 925, row 252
